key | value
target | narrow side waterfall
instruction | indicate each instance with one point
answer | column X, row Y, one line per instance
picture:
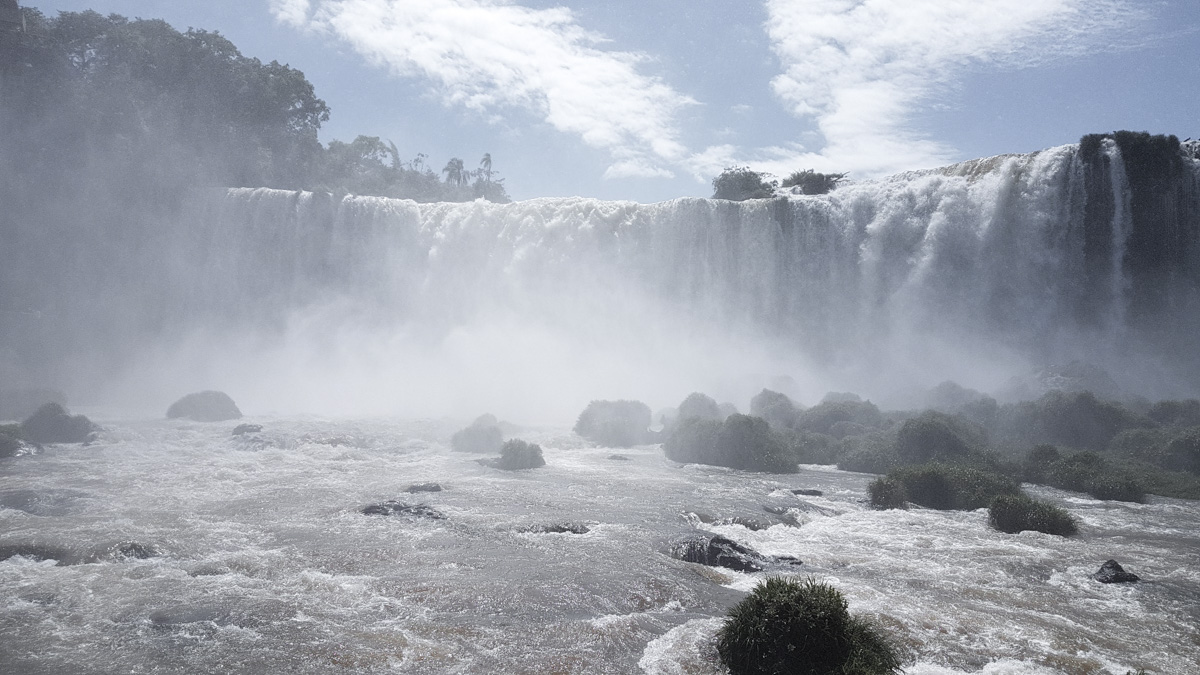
column 974, row 272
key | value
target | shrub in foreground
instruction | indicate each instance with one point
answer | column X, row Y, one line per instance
column 801, row 628
column 620, row 424
column 1016, row 513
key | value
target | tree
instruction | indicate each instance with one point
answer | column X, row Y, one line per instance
column 455, row 173
column 812, row 183
column 485, row 166
column 739, row 183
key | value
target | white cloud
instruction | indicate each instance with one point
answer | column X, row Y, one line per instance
column 494, row 55
column 292, row 12
column 861, row 68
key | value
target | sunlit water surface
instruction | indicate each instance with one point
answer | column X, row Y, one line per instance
column 265, row 563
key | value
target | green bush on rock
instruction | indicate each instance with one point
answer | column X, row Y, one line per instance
column 740, row 442
column 1015, row 513
column 801, row 628
column 517, row 454
column 956, row 488
column 620, row 424
column 887, row 493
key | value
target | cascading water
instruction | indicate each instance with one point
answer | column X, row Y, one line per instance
column 974, row 272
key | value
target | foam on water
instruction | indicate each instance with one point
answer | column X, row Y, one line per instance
column 267, row 564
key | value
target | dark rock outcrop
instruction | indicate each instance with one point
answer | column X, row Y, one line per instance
column 1111, row 572
column 205, row 406
column 807, row 492
column 395, row 508
column 243, row 429
column 717, row 551
column 53, row 424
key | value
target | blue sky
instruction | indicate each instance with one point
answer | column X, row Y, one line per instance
column 649, row 99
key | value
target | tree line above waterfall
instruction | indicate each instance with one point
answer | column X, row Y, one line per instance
column 95, row 100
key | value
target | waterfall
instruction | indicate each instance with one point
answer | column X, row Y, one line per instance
column 971, row 272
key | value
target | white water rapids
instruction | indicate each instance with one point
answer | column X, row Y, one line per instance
column 266, row 565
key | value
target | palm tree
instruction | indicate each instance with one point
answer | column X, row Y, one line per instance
column 455, row 175
column 486, row 167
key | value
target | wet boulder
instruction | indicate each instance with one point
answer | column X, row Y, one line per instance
column 395, row 508
column 243, row 429
column 423, row 487
column 39, row 552
column 205, row 406
column 1111, row 572
column 618, row 424
column 717, row 551
column 53, row 424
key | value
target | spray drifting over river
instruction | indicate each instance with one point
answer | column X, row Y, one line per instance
column 973, row 273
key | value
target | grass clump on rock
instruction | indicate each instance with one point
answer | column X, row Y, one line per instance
column 1016, row 513
column 801, row 628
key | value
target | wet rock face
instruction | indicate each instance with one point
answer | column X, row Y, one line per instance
column 1111, row 572
column 717, row 551
column 395, row 508
column 205, row 406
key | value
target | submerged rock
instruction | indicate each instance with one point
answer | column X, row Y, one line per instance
column 423, row 487
column 1111, row 572
column 807, row 492
column 395, row 508
column 53, row 424
column 205, row 406
column 555, row 528
column 243, row 429
column 39, row 552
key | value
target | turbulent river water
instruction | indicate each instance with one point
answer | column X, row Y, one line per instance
column 264, row 564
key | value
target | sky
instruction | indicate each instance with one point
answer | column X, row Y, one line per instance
column 648, row 100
